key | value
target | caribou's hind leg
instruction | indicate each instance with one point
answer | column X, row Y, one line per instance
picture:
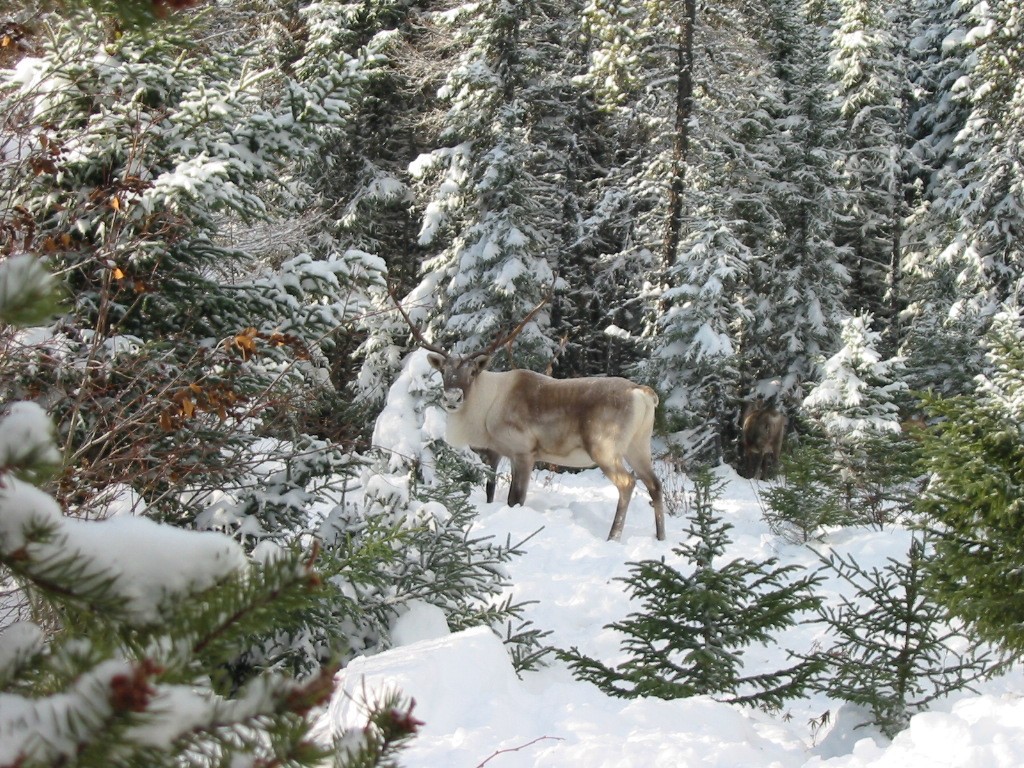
column 654, row 488
column 639, row 458
column 622, row 478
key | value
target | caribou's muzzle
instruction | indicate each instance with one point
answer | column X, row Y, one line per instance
column 452, row 399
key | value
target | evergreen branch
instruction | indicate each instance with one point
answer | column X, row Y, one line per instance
column 248, row 606
column 773, row 689
column 268, row 721
column 45, row 565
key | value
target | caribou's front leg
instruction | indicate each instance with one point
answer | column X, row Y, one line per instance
column 492, row 459
column 759, row 466
column 522, row 468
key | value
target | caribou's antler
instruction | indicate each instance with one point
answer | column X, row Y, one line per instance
column 490, row 349
column 416, row 332
column 510, row 337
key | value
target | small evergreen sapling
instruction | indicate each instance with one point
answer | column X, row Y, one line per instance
column 855, row 406
column 894, row 652
column 432, row 557
column 688, row 637
column 807, row 501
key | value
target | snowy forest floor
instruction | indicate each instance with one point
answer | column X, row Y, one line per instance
column 477, row 711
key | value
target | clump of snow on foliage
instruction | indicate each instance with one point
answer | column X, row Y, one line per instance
column 28, row 738
column 21, row 641
column 26, row 437
column 1003, row 388
column 25, row 287
column 149, row 564
column 410, row 423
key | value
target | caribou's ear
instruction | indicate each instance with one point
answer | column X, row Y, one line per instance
column 436, row 360
column 480, row 362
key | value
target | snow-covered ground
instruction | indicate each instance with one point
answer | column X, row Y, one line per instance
column 477, row 711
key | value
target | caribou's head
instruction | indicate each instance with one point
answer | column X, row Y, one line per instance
column 458, row 373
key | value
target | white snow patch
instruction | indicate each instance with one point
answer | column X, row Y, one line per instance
column 476, row 709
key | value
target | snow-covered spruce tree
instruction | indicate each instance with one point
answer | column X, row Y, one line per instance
column 870, row 65
column 153, row 617
column 939, row 56
column 855, row 405
column 797, row 280
column 941, row 338
column 894, row 652
column 117, row 654
column 688, row 636
column 635, row 50
column 735, row 193
column 598, row 319
column 692, row 359
column 973, row 504
column 361, row 178
column 137, row 13
column 535, row 109
column 432, row 558
column 939, row 62
column 360, row 192
column 981, row 184
column 951, row 270
column 491, row 212
column 629, row 46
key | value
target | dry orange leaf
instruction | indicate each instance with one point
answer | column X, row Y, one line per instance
column 246, row 340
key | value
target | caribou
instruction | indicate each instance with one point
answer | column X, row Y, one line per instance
column 763, row 428
column 529, row 417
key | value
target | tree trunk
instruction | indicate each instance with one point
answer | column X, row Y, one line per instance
column 681, row 139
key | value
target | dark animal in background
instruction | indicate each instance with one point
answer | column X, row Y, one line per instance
column 763, row 429
column 529, row 417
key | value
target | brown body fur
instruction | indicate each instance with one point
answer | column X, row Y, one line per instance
column 764, row 428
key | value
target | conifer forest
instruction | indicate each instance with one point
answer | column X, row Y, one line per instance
column 209, row 210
